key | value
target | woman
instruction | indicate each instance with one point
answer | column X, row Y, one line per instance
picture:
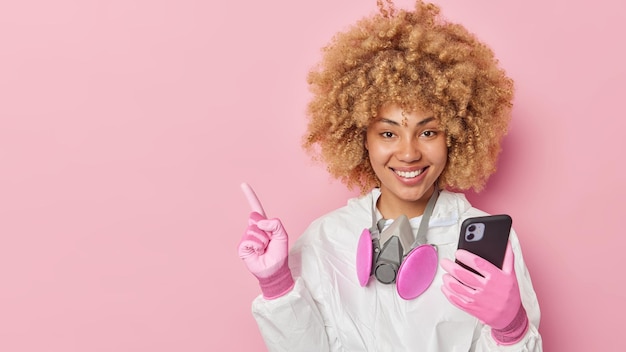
column 409, row 108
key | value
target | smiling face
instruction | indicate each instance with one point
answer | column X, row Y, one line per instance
column 408, row 152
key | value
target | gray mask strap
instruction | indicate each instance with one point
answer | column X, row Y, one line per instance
column 420, row 239
column 377, row 226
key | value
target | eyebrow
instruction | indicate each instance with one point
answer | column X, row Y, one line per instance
column 395, row 123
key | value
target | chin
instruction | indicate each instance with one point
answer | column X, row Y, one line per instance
column 412, row 196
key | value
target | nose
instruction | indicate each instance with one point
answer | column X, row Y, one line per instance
column 409, row 150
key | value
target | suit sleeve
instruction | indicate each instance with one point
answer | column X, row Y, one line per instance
column 295, row 321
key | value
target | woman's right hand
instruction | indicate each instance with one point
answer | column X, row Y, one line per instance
column 264, row 248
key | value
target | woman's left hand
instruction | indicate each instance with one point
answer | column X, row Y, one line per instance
column 494, row 298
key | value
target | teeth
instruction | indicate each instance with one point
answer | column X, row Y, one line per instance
column 408, row 174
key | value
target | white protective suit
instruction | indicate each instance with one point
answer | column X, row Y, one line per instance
column 328, row 310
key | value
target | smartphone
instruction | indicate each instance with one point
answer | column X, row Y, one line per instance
column 487, row 237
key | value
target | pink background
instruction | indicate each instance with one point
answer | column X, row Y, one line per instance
column 126, row 127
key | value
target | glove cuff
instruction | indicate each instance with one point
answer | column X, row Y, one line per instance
column 278, row 284
column 513, row 332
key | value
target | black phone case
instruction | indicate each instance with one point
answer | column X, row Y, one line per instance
column 492, row 246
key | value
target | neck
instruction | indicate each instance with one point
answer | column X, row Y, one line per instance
column 392, row 207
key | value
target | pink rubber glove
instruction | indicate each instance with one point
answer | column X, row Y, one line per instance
column 264, row 249
column 494, row 299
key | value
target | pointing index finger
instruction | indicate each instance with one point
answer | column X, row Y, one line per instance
column 253, row 200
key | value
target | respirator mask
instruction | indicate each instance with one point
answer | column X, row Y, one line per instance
column 393, row 254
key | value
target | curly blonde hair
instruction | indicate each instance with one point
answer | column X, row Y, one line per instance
column 414, row 59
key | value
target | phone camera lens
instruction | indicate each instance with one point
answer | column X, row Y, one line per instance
column 471, row 228
column 470, row 236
